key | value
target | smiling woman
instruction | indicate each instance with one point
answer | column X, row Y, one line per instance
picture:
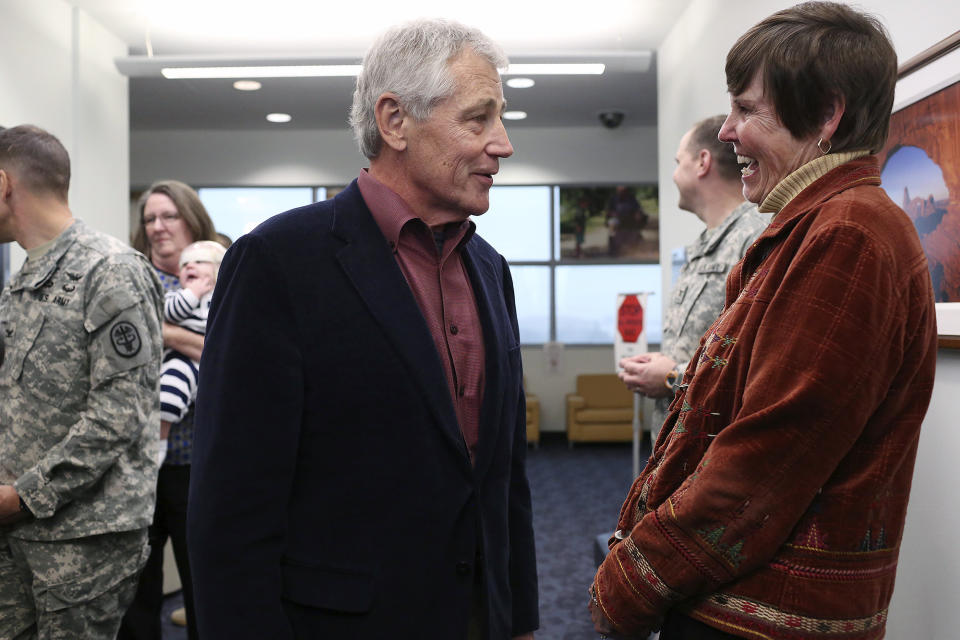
column 767, row 472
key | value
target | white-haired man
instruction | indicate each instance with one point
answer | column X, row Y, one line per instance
column 359, row 463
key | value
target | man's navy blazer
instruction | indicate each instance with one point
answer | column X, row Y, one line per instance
column 332, row 495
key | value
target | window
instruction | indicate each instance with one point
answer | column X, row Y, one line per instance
column 531, row 286
column 235, row 211
column 587, row 300
column 566, row 289
column 518, row 223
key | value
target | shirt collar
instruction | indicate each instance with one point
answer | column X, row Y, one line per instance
column 392, row 213
column 42, row 261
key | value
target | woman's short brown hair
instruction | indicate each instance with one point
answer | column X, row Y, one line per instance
column 188, row 205
column 810, row 54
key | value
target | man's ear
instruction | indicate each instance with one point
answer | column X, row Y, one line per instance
column 5, row 186
column 704, row 162
column 390, row 116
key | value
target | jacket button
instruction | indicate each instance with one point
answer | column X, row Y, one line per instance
column 463, row 568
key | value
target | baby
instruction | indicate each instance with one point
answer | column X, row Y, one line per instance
column 187, row 307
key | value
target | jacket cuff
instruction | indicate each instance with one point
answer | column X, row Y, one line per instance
column 628, row 605
column 36, row 494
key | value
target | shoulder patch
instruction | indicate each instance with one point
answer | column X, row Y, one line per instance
column 125, row 338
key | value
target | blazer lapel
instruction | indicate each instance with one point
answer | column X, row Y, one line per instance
column 371, row 268
column 496, row 341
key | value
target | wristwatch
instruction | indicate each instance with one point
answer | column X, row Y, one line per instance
column 671, row 379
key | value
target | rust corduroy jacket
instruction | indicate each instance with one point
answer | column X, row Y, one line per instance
column 774, row 503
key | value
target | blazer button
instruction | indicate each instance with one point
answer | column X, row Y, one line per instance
column 463, row 568
column 454, row 329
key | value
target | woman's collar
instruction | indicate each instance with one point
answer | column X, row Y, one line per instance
column 791, row 186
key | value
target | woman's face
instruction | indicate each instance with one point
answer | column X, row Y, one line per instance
column 762, row 142
column 166, row 230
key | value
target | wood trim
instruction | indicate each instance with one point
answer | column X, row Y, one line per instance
column 927, row 56
column 948, row 342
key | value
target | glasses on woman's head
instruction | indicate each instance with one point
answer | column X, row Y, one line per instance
column 167, row 218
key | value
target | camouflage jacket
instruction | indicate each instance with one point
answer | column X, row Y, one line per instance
column 79, row 396
column 697, row 298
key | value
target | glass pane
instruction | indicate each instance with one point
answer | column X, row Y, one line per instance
column 518, row 222
column 587, row 300
column 531, row 286
column 235, row 211
column 604, row 223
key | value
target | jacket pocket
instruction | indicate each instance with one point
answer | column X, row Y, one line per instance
column 55, row 354
column 335, row 588
column 128, row 556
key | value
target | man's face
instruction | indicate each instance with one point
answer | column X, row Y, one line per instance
column 452, row 156
column 685, row 174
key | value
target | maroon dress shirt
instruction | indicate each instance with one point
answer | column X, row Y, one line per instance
column 432, row 263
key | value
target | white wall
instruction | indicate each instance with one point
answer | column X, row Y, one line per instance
column 928, row 579
column 691, row 87
column 56, row 70
column 330, row 157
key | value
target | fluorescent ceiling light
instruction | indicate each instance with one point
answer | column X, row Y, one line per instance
column 272, row 66
column 247, row 85
column 520, row 83
column 282, row 71
column 514, row 115
column 576, row 69
column 337, row 70
column 279, row 117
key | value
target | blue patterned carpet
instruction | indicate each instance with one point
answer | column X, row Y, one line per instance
column 577, row 495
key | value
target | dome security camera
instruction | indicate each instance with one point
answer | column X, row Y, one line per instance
column 611, row 119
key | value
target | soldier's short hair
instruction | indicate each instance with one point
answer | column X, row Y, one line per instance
column 38, row 158
column 704, row 136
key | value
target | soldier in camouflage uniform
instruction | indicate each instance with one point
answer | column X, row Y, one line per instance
column 79, row 410
column 708, row 179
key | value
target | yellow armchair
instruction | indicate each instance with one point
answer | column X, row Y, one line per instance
column 533, row 417
column 601, row 410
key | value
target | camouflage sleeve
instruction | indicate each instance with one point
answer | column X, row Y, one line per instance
column 122, row 322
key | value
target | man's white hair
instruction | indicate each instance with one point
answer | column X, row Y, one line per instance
column 412, row 61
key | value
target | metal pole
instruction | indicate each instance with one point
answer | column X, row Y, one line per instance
column 637, row 434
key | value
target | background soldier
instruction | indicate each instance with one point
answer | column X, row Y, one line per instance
column 79, row 411
column 708, row 179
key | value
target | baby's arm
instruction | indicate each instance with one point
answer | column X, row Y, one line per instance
column 179, row 305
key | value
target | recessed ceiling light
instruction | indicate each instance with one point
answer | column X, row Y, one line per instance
column 514, row 115
column 520, row 83
column 246, row 85
column 279, row 117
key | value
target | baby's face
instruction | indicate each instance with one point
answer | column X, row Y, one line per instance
column 193, row 270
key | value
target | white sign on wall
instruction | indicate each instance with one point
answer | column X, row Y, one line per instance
column 630, row 333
